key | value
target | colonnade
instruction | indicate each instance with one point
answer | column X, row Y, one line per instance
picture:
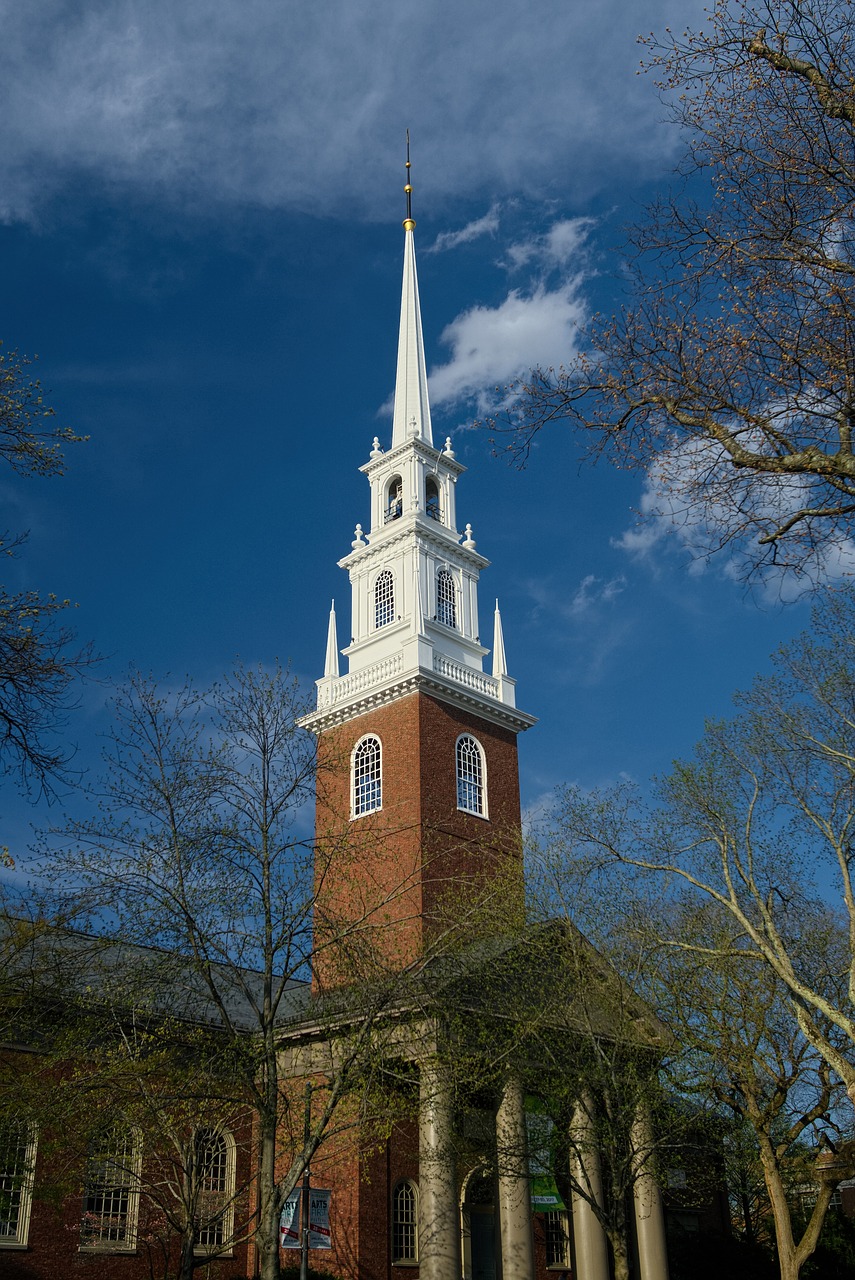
column 439, row 1207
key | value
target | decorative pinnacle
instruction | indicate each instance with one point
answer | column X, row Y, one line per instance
column 409, row 221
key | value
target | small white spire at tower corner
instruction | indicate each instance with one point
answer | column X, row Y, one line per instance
column 331, row 663
column 500, row 665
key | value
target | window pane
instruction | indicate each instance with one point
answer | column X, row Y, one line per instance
column 214, row 1190
column 107, row 1194
column 446, row 608
column 405, row 1224
column 557, row 1239
column 470, row 776
column 15, row 1178
column 367, row 782
column 384, row 599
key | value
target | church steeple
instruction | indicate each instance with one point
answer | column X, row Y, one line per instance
column 414, row 576
column 417, row 741
column 411, row 417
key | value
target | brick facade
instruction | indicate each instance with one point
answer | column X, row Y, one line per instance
column 400, row 867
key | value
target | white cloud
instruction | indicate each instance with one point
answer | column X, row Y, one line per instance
column 490, row 346
column 563, row 242
column 486, row 226
column 303, row 106
column 693, row 500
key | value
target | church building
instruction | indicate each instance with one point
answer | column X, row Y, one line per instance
column 418, row 777
column 418, row 892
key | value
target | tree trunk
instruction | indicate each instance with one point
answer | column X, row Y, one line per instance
column 617, row 1240
column 267, row 1234
column 187, row 1259
column 787, row 1263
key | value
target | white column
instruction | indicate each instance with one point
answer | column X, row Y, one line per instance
column 589, row 1239
column 439, row 1211
column 649, row 1217
column 513, row 1185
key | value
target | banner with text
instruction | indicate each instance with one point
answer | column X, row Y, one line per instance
column 319, row 1220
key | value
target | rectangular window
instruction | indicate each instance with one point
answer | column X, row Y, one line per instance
column 215, row 1156
column 17, row 1165
column 557, row 1238
column 405, row 1224
column 111, row 1192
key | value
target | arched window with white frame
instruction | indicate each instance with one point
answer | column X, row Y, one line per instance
column 471, row 776
column 405, row 1224
column 446, row 599
column 367, row 776
column 111, row 1191
column 17, row 1166
column 384, row 598
column 215, row 1164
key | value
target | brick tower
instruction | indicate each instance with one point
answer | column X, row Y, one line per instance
column 418, row 787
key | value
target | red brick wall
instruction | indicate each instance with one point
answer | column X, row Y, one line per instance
column 53, row 1245
column 397, row 866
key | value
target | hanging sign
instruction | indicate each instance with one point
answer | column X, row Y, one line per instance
column 289, row 1222
column 319, row 1220
column 540, row 1126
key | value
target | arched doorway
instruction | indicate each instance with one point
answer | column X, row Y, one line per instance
column 479, row 1226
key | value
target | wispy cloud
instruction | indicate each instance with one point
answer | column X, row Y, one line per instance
column 556, row 247
column 299, row 106
column 594, row 591
column 692, row 502
column 486, row 226
column 586, row 623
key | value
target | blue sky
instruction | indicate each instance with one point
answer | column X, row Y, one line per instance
column 200, row 236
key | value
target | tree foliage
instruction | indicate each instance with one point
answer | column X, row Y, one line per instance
column 760, row 823
column 199, row 855
column 38, row 660
column 737, row 1067
column 730, row 374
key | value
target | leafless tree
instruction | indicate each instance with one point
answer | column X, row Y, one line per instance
column 730, row 377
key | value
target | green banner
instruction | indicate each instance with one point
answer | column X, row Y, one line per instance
column 545, row 1195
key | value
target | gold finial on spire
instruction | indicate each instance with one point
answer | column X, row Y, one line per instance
column 409, row 221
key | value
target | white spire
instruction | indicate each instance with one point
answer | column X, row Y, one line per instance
column 411, row 418
column 500, row 665
column 331, row 664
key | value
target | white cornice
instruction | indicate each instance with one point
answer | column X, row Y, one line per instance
column 427, row 452
column 402, row 530
column 418, row 682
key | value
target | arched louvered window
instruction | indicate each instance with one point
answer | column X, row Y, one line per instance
column 111, row 1191
column 446, row 603
column 367, row 776
column 216, row 1172
column 384, row 598
column 405, row 1223
column 432, row 507
column 471, row 776
column 394, row 500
